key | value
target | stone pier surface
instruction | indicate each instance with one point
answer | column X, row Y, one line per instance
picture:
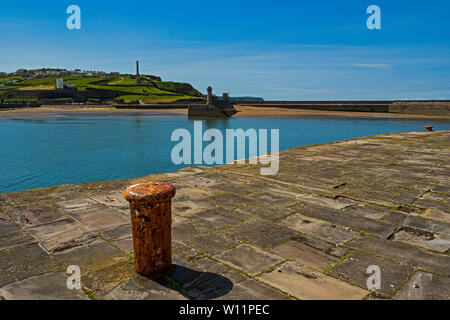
column 309, row 232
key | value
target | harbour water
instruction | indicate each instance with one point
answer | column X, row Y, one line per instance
column 48, row 151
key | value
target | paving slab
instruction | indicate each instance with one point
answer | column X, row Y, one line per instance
column 190, row 275
column 436, row 214
column 62, row 235
column 311, row 252
column 126, row 245
column 319, row 228
column 36, row 215
column 367, row 211
column 219, row 218
column 229, row 201
column 143, row 289
column 11, row 234
column 354, row 269
column 261, row 233
column 346, row 219
column 249, row 259
column 189, row 207
column 427, row 224
column 423, row 239
column 50, row 286
column 431, row 203
column 395, row 217
column 264, row 211
column 218, row 287
column 183, row 252
column 253, row 290
column 23, row 262
column 404, row 253
column 100, row 218
column 118, row 233
column 91, row 257
column 76, row 205
column 5, row 201
column 115, row 200
column 425, row 286
column 201, row 237
column 306, row 284
column 327, row 202
column 274, row 199
column 53, row 194
column 103, row 281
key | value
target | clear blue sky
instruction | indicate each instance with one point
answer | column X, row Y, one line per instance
column 296, row 49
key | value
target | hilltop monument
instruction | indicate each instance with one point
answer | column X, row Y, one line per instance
column 214, row 108
column 138, row 77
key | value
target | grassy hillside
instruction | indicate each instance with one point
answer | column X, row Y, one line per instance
column 146, row 91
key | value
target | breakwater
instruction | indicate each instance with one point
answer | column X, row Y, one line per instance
column 426, row 107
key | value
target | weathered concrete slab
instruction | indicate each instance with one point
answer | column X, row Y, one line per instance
column 103, row 281
column 36, row 215
column 91, row 257
column 346, row 219
column 319, row 228
column 126, row 245
column 61, row 235
column 23, row 262
column 142, row 289
column 425, row 286
column 437, row 214
column 115, row 200
column 100, row 218
column 366, row 210
column 5, row 201
column 202, row 238
column 427, row 224
column 401, row 252
column 77, row 204
column 311, row 252
column 253, row 290
column 261, row 233
column 219, row 218
column 53, row 194
column 12, row 235
column 304, row 283
column 219, row 287
column 119, row 233
column 423, row 239
column 198, row 271
column 249, row 259
column 354, row 270
column 50, row 286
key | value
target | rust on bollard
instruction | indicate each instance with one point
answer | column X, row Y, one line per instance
column 429, row 128
column 151, row 219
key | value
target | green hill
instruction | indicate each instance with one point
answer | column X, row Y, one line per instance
column 120, row 88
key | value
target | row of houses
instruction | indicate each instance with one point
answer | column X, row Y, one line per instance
column 46, row 72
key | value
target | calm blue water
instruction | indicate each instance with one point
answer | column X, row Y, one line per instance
column 41, row 152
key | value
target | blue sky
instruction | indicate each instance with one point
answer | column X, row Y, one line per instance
column 298, row 49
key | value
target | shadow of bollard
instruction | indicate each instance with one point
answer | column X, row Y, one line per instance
column 196, row 285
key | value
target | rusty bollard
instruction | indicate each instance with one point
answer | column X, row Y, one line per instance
column 429, row 128
column 151, row 219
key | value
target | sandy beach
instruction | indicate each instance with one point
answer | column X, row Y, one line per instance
column 243, row 111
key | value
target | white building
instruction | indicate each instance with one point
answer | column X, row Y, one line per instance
column 59, row 84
